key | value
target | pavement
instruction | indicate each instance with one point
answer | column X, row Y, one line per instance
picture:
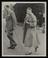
column 18, row 37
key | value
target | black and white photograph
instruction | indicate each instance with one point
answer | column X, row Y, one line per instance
column 23, row 28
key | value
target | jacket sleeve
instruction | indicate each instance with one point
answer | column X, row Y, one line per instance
column 14, row 19
column 27, row 19
column 35, row 20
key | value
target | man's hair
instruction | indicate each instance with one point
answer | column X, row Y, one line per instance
column 7, row 6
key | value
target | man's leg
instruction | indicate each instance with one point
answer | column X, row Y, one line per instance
column 12, row 42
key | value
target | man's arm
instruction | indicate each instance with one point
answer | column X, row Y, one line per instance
column 14, row 19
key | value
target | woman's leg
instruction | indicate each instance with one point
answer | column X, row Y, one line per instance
column 29, row 48
column 35, row 41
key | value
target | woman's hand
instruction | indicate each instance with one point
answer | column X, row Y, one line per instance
column 5, row 29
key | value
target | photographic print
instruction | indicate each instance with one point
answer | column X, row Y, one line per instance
column 23, row 28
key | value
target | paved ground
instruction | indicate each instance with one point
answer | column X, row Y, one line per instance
column 19, row 50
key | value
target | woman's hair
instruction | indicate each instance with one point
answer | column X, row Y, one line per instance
column 29, row 8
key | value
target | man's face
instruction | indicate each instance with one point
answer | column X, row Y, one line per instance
column 6, row 8
column 5, row 11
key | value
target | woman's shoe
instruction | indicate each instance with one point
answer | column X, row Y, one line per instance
column 36, row 49
column 28, row 53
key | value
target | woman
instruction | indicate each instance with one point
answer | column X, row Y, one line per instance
column 31, row 40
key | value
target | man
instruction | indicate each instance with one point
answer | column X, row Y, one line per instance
column 10, row 17
column 31, row 41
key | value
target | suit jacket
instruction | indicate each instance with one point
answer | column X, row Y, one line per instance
column 11, row 21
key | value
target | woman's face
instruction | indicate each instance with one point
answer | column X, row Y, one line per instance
column 28, row 11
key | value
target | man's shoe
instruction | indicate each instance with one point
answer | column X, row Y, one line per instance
column 12, row 47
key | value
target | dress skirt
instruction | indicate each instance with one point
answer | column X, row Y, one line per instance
column 31, row 39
